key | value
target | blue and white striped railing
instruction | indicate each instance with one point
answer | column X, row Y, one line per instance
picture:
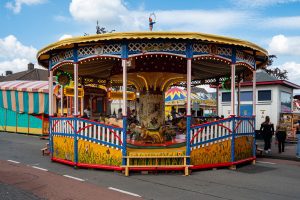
column 225, row 129
column 211, row 132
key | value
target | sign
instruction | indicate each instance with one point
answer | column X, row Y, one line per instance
column 69, row 92
column 117, row 95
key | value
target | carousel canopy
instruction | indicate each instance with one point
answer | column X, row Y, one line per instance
column 24, row 96
column 160, row 53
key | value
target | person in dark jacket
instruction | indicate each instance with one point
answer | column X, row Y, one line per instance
column 281, row 136
column 297, row 126
column 267, row 131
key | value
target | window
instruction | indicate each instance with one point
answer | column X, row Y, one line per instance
column 264, row 95
column 286, row 102
column 246, row 96
column 226, row 96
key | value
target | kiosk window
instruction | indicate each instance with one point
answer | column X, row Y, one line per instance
column 226, row 96
column 264, row 95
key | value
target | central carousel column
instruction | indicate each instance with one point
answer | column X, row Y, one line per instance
column 124, row 57
column 151, row 110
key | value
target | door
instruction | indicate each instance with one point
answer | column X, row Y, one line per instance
column 246, row 110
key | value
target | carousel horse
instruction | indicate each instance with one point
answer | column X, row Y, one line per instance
column 153, row 136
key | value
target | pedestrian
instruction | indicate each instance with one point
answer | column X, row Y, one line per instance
column 267, row 130
column 173, row 113
column 297, row 126
column 281, row 136
column 119, row 116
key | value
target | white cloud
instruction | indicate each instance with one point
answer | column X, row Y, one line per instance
column 16, row 5
column 61, row 18
column 282, row 22
column 106, row 11
column 11, row 48
column 293, row 69
column 282, row 45
column 114, row 13
column 65, row 36
column 14, row 65
column 14, row 55
column 261, row 3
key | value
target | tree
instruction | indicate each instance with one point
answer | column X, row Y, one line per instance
column 275, row 72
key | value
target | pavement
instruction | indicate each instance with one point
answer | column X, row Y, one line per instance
column 18, row 181
column 26, row 174
column 288, row 154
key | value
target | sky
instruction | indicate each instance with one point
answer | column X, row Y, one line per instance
column 29, row 25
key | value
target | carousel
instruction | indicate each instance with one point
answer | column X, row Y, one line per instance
column 141, row 67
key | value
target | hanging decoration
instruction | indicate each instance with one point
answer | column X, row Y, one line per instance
column 152, row 21
column 63, row 78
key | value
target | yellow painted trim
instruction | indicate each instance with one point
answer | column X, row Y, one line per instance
column 38, row 131
column 11, row 128
column 146, row 84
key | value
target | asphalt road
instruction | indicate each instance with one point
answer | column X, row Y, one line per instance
column 268, row 179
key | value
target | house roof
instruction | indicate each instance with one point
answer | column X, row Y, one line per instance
column 198, row 90
column 28, row 75
column 263, row 78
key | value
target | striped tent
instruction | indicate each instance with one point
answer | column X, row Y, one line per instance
column 176, row 94
column 25, row 96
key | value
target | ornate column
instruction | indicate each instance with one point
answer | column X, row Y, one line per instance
column 75, row 57
column 239, row 96
column 233, row 63
column 217, row 96
column 62, row 101
column 189, row 56
column 124, row 56
column 50, row 92
column 254, row 92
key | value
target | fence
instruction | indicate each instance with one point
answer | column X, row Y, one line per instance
column 86, row 130
column 230, row 128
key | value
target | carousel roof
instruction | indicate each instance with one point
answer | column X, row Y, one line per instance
column 69, row 43
column 161, row 63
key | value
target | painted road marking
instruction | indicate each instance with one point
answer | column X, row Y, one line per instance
column 40, row 168
column 75, row 178
column 125, row 192
column 13, row 161
column 266, row 162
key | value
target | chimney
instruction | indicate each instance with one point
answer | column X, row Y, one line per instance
column 30, row 66
column 8, row 73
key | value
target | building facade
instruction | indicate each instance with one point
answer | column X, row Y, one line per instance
column 273, row 97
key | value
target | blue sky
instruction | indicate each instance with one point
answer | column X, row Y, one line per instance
column 29, row 25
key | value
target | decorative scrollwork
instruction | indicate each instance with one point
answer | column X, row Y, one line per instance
column 152, row 47
column 241, row 56
column 201, row 48
column 224, row 51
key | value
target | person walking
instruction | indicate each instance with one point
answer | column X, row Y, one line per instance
column 281, row 136
column 297, row 126
column 267, row 130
